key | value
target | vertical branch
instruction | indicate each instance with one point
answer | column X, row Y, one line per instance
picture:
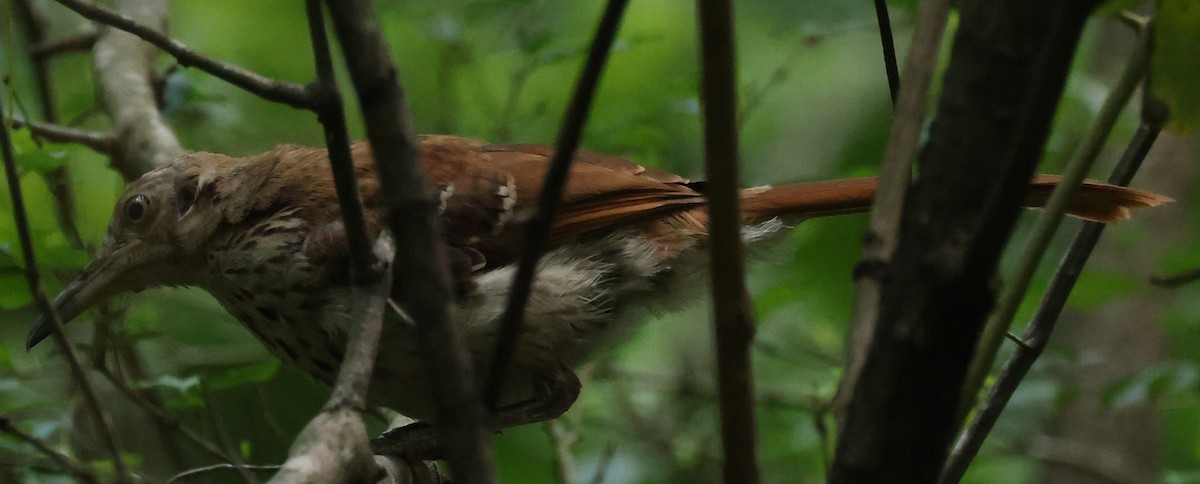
column 731, row 302
column 1077, row 167
column 538, row 228
column 59, row 180
column 894, row 178
column 1006, row 75
column 1037, row 333
column 33, row 276
column 420, row 284
column 125, row 71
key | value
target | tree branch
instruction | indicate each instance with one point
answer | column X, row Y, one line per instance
column 276, row 90
column 79, row 471
column 731, row 302
column 420, row 283
column 33, row 276
column 1077, row 167
column 124, row 68
column 58, row 180
column 1037, row 333
column 103, row 143
column 889, row 47
column 894, row 178
column 537, row 229
column 1006, row 75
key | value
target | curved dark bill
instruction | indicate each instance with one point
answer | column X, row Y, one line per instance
column 66, row 305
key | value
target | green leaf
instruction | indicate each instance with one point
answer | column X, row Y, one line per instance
column 14, row 289
column 240, row 375
column 1151, row 385
column 186, row 390
column 30, row 156
column 1176, row 67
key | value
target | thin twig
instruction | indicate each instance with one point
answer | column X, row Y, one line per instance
column 277, row 90
column 58, row 179
column 331, row 113
column 894, row 176
column 161, row 415
column 1176, row 280
column 420, row 282
column 889, row 49
column 73, row 43
column 199, row 471
column 731, row 302
column 1077, row 167
column 1037, row 333
column 103, row 143
column 78, row 470
column 33, row 276
column 537, row 230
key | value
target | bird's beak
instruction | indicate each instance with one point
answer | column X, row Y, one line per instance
column 107, row 275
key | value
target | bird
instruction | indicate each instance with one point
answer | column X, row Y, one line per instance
column 263, row 235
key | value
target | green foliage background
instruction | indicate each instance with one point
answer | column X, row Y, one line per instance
column 815, row 106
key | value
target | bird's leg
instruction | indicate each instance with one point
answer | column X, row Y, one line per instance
column 553, row 394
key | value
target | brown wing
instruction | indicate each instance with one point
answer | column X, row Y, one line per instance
column 603, row 193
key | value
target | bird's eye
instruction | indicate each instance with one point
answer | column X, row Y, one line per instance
column 135, row 208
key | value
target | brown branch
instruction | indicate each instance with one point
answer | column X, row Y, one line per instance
column 59, row 179
column 103, row 143
column 420, row 283
column 334, row 446
column 33, row 276
column 1006, row 75
column 1041, row 326
column 276, row 90
column 331, row 113
column 895, row 175
column 731, row 301
column 76, row 469
column 889, row 48
column 45, row 49
column 125, row 72
column 537, row 229
column 161, row 416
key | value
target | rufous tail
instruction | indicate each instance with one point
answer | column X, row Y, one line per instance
column 1094, row 201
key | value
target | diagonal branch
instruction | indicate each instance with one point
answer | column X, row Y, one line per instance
column 1077, row 167
column 79, row 471
column 1037, row 333
column 104, row 143
column 419, row 282
column 894, row 176
column 285, row 92
column 33, row 276
column 537, row 230
column 1008, row 67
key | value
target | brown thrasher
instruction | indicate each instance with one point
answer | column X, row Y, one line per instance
column 262, row 234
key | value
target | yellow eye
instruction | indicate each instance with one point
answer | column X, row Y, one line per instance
column 135, row 208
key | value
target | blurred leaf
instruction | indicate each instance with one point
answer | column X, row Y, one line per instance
column 240, row 375
column 186, row 390
column 30, row 156
column 1096, row 287
column 446, row 28
column 1151, row 385
column 1176, row 67
column 14, row 289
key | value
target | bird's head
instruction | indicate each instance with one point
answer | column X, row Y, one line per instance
column 160, row 223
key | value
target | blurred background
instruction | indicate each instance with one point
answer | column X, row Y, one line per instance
column 1116, row 398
